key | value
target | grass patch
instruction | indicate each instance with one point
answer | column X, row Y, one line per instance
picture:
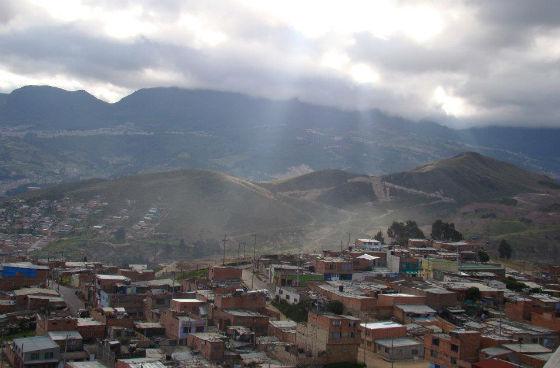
column 506, row 227
column 194, row 274
column 71, row 247
column 550, row 184
column 506, row 201
column 17, row 335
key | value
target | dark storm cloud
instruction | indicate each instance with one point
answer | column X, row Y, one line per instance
column 495, row 62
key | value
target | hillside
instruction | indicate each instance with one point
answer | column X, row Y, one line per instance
column 195, row 201
column 75, row 136
column 471, row 177
column 52, row 108
column 485, row 196
column 464, row 178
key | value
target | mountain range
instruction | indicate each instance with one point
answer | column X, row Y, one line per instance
column 50, row 135
column 485, row 198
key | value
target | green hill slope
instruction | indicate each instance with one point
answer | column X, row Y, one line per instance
column 471, row 177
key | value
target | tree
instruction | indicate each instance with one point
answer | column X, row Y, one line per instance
column 505, row 249
column 472, row 294
column 379, row 237
column 120, row 235
column 335, row 306
column 400, row 232
column 445, row 231
column 483, row 256
column 514, row 285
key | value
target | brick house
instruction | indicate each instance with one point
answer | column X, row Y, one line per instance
column 334, row 268
column 330, row 338
column 22, row 274
column 224, row 273
column 459, row 348
column 210, row 345
column 284, row 330
column 33, row 352
column 372, row 331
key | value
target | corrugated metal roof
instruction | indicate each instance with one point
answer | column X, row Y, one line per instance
column 398, row 342
column 27, row 344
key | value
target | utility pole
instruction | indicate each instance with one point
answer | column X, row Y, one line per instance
column 173, row 287
column 349, row 238
column 254, row 253
column 224, row 240
column 341, row 246
column 238, row 250
column 298, row 269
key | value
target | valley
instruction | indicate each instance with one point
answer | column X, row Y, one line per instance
column 185, row 214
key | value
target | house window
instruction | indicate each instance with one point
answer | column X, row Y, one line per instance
column 434, row 353
column 454, row 348
column 453, row 360
column 34, row 356
column 435, row 341
column 336, row 322
column 414, row 352
column 49, row 355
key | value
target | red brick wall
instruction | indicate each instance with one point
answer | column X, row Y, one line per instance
column 221, row 273
column 384, row 333
column 213, row 351
column 186, row 307
column 324, row 266
column 170, row 323
column 258, row 324
column 547, row 320
column 288, row 336
column 91, row 332
column 392, row 299
column 519, row 310
column 45, row 325
column 138, row 275
column 249, row 301
column 19, row 281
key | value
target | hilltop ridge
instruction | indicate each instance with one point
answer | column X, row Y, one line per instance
column 49, row 135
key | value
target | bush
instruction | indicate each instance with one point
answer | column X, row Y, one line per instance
column 473, row 294
column 334, row 306
column 296, row 312
column 483, row 256
column 513, row 284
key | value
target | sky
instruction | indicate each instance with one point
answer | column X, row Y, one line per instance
column 460, row 63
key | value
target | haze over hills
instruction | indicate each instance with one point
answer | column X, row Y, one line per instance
column 49, row 135
column 313, row 209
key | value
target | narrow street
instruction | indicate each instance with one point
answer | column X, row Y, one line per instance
column 73, row 302
column 258, row 284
